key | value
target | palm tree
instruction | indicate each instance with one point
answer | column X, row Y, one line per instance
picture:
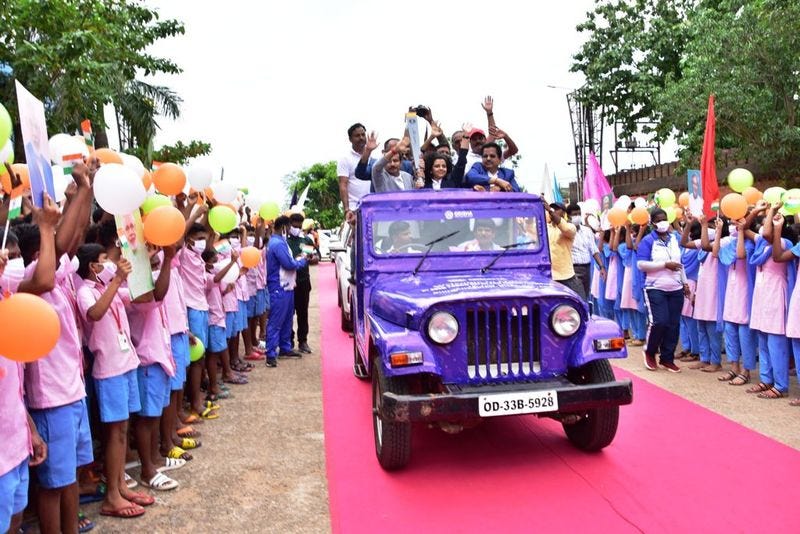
column 137, row 106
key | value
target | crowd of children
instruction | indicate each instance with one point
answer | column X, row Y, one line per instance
column 162, row 361
column 740, row 294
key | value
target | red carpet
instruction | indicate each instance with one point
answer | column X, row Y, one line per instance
column 674, row 467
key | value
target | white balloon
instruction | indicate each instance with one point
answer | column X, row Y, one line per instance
column 233, row 273
column 224, row 192
column 253, row 202
column 133, row 163
column 199, row 176
column 623, row 202
column 592, row 205
column 118, row 190
column 65, row 145
column 60, row 182
column 640, row 202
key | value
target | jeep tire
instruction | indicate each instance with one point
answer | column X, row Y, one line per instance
column 598, row 426
column 347, row 323
column 392, row 440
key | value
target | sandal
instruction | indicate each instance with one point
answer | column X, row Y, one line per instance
column 187, row 432
column 739, row 380
column 207, row 413
column 237, row 379
column 193, row 419
column 128, row 512
column 175, row 462
column 178, row 456
column 771, row 393
column 794, row 402
column 84, row 523
column 758, row 388
column 98, row 495
column 189, row 443
column 160, row 482
column 130, row 482
column 141, row 499
column 727, row 377
column 691, row 358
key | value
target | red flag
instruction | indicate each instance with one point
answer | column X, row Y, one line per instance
column 708, row 163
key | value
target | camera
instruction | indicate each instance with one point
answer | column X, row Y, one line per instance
column 422, row 111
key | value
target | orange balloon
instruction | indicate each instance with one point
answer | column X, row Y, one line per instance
column 752, row 195
column 678, row 213
column 617, row 216
column 683, row 199
column 164, row 226
column 147, row 180
column 21, row 169
column 250, row 257
column 733, row 206
column 209, row 193
column 640, row 216
column 106, row 155
column 34, row 324
column 169, row 179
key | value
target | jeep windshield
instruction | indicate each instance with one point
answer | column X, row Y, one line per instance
column 473, row 232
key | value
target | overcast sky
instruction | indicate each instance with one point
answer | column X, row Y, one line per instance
column 274, row 88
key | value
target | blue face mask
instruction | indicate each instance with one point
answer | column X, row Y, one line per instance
column 224, row 248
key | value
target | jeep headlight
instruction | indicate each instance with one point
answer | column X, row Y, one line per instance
column 442, row 328
column 565, row 320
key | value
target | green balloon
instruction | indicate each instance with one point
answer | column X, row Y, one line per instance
column 154, row 201
column 665, row 197
column 791, row 201
column 222, row 219
column 269, row 211
column 5, row 126
column 740, row 179
column 773, row 194
column 197, row 350
column 671, row 214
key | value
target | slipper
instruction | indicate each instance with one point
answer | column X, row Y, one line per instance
column 160, row 482
column 175, row 453
column 771, row 393
column 192, row 419
column 189, row 443
column 124, row 513
column 141, row 499
column 794, row 402
column 727, row 377
column 212, row 405
column 254, row 357
column 98, row 495
column 84, row 523
column 739, row 380
column 237, row 379
column 208, row 413
column 187, row 432
column 173, row 463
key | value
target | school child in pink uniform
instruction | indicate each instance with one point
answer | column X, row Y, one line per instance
column 107, row 335
column 614, row 277
column 636, row 321
column 150, row 336
column 54, row 387
column 193, row 275
column 25, row 447
column 741, row 343
column 706, row 299
column 691, row 268
column 790, row 258
column 768, row 317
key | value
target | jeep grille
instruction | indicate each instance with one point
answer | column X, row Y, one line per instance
column 503, row 341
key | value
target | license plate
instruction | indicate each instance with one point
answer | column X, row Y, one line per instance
column 517, row 403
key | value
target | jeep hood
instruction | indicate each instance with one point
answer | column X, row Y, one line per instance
column 403, row 299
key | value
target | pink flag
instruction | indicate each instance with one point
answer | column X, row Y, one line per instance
column 595, row 184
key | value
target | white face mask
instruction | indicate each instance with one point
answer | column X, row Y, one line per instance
column 732, row 230
column 662, row 227
column 576, row 220
column 107, row 274
column 235, row 241
column 294, row 231
column 15, row 265
column 712, row 233
column 200, row 245
column 224, row 249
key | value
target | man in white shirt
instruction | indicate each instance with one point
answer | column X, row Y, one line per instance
column 584, row 249
column 352, row 189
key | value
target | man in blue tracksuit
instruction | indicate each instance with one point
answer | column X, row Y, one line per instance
column 281, row 280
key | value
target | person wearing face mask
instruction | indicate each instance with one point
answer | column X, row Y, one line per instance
column 561, row 235
column 281, row 281
column 707, row 299
column 584, row 250
column 107, row 334
column 302, row 293
column 659, row 256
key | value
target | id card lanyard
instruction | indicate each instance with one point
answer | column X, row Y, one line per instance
column 122, row 337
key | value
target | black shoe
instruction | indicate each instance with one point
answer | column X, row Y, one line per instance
column 289, row 354
column 304, row 348
column 272, row 362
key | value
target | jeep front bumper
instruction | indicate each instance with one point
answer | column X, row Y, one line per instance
column 461, row 402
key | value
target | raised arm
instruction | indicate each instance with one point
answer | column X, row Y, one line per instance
column 76, row 214
column 44, row 275
column 99, row 308
column 778, row 254
column 162, row 282
column 362, row 169
column 511, row 146
column 767, row 228
column 488, row 107
column 741, row 251
column 705, row 244
column 717, row 239
column 221, row 274
column 614, row 239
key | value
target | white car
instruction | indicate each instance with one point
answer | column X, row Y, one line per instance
column 325, row 245
column 341, row 257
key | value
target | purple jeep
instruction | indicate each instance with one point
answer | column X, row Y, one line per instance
column 456, row 319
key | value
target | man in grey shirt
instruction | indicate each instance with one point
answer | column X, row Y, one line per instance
column 386, row 172
column 584, row 250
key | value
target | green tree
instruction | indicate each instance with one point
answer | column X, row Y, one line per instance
column 178, row 153
column 322, row 203
column 78, row 55
column 633, row 48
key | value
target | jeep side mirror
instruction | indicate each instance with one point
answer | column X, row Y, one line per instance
column 337, row 249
